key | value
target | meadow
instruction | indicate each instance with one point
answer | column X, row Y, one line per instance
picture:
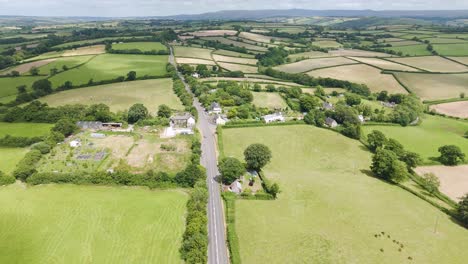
column 308, row 55
column 90, row 224
column 268, row 100
column 120, row 96
column 143, row 46
column 10, row 157
column 426, row 138
column 92, row 41
column 459, row 49
column 238, row 67
column 70, row 62
column 111, row 66
column 330, row 210
column 237, row 43
column 412, row 50
column 192, row 52
column 24, row 129
column 432, row 64
column 326, row 44
column 312, row 64
column 8, row 84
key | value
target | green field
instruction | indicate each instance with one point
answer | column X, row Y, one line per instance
column 413, row 50
column 24, row 129
column 143, row 46
column 425, row 139
column 268, row 100
column 10, row 157
column 90, row 224
column 67, row 61
column 329, row 209
column 459, row 49
column 120, row 96
column 110, row 66
column 8, row 84
column 93, row 41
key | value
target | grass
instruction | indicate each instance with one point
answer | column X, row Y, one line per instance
column 233, row 54
column 143, row 46
column 90, row 224
column 238, row 67
column 329, row 210
column 460, row 49
column 312, row 64
column 426, row 138
column 110, row 66
column 24, row 129
column 308, row 55
column 120, row 96
column 268, row 100
column 384, row 64
column 237, row 43
column 67, row 61
column 413, row 50
column 432, row 64
column 327, row 44
column 8, row 84
column 11, row 157
column 93, row 41
column 191, row 52
column 221, row 58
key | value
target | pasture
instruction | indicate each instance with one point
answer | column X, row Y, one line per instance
column 111, row 66
column 363, row 74
column 330, row 209
column 432, row 64
column 413, row 50
column 384, row 64
column 8, row 84
column 193, row 61
column 87, row 50
column 192, row 52
column 26, row 67
column 10, row 157
column 120, row 96
column 453, row 179
column 356, row 52
column 24, row 129
column 208, row 33
column 93, row 41
column 459, row 49
column 434, row 86
column 268, row 100
column 257, row 37
column 238, row 67
column 84, row 224
column 327, row 44
column 307, row 55
column 457, row 109
column 70, row 62
column 237, row 43
column 221, row 58
column 143, row 46
column 233, row 54
column 426, row 138
column 312, row 64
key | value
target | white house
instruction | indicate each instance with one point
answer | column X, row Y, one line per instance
column 215, row 108
column 276, row 117
column 361, row 118
column 75, row 143
column 331, row 122
column 220, row 120
column 185, row 120
column 236, row 187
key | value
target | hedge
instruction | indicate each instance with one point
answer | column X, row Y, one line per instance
column 261, row 124
column 232, row 239
column 18, row 142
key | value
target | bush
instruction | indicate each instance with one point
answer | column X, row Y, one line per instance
column 6, row 179
column 27, row 166
column 18, row 142
column 451, row 155
column 462, row 210
column 65, row 126
column 43, row 147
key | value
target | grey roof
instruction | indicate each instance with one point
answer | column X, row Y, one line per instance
column 330, row 120
column 184, row 116
column 215, row 105
column 89, row 124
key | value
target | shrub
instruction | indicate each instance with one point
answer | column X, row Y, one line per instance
column 462, row 210
column 451, row 155
column 6, row 179
column 43, row 147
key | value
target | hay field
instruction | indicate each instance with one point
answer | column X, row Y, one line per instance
column 329, row 209
column 94, row 41
column 257, row 37
column 462, row 60
column 457, row 109
column 453, row 179
column 181, row 60
column 432, row 64
column 363, row 74
column 120, row 96
column 435, row 86
column 88, row 50
column 90, row 224
column 25, row 67
column 237, row 43
column 404, row 43
column 445, row 40
column 192, row 52
column 221, row 58
column 384, row 64
column 233, row 54
column 359, row 53
column 268, row 100
column 143, row 46
column 311, row 64
column 238, row 67
column 308, row 55
column 250, row 80
column 326, row 44
column 24, row 129
column 70, row 62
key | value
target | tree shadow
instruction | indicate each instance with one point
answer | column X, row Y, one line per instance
column 217, row 178
column 362, row 147
column 371, row 174
column 434, row 159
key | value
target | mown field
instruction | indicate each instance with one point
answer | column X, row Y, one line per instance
column 90, row 224
column 238, row 67
column 432, row 64
column 457, row 109
column 93, row 41
column 143, row 46
column 426, row 138
column 384, row 64
column 66, row 61
column 330, row 210
column 110, row 66
column 413, row 50
column 24, row 129
column 312, row 64
column 459, row 49
column 192, row 52
column 120, row 96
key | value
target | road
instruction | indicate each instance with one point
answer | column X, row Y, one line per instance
column 217, row 250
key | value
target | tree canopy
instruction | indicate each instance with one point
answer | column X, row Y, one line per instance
column 257, row 156
column 230, row 169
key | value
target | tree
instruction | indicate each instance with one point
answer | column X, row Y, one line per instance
column 430, row 182
column 462, row 95
column 411, row 159
column 34, row 71
column 451, row 155
column 351, row 130
column 65, row 68
column 231, row 169
column 190, row 175
column 257, row 87
column 352, row 99
column 99, row 112
column 385, row 165
column 164, row 111
column 131, row 75
column 21, row 89
column 462, row 210
column 270, row 88
column 274, row 190
column 43, row 147
column 137, row 112
column 257, row 156
column 42, row 87
column 65, row 127
column 375, row 140
column 319, row 91
column 307, row 102
column 53, row 71
column 14, row 73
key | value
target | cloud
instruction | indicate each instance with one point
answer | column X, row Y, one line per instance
column 168, row 7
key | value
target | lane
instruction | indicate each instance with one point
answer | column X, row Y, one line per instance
column 217, row 249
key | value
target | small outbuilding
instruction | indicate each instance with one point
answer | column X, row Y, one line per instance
column 327, row 106
column 236, row 187
column 331, row 122
column 276, row 117
column 215, row 108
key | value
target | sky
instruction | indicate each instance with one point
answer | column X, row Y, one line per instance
column 122, row 8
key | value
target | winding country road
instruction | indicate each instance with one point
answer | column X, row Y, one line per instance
column 217, row 250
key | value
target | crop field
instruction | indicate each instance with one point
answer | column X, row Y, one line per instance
column 193, row 61
column 413, row 50
column 308, row 55
column 191, row 52
column 327, row 44
column 426, row 138
column 143, row 46
column 233, row 54
column 25, row 67
column 24, row 129
column 11, row 157
column 238, row 67
column 268, row 100
column 311, row 64
column 110, row 66
column 361, row 73
column 460, row 49
column 359, row 53
column 384, row 64
column 462, row 60
column 8, row 84
column 237, row 43
column 330, row 210
column 457, row 109
column 453, row 180
column 435, row 86
column 120, row 96
column 221, row 58
column 432, row 64
column 84, row 224
column 70, row 62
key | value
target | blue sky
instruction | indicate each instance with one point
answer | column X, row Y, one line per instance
column 173, row 7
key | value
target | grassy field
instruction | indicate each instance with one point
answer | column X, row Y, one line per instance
column 120, row 96
column 11, row 157
column 192, row 61
column 26, row 67
column 221, row 58
column 308, row 55
column 460, row 49
column 8, row 84
column 143, row 46
column 355, row 52
column 311, row 64
column 24, row 129
column 233, row 54
column 90, row 224
column 413, row 50
column 92, row 41
column 68, row 61
column 432, row 63
column 268, row 100
column 427, row 137
column 361, row 73
column 237, row 43
column 384, row 64
column 110, row 66
column 435, row 86
column 330, row 210
column 327, row 44
column 238, row 67
column 88, row 50
column 192, row 52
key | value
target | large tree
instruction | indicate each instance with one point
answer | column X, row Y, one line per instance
column 65, row 126
column 375, row 140
column 462, row 210
column 385, row 165
column 257, row 156
column 137, row 112
column 231, row 169
column 164, row 111
column 131, row 75
column 42, row 87
column 451, row 155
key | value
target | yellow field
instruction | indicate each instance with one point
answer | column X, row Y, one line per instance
column 221, row 58
column 237, row 67
column 311, row 64
column 432, row 64
column 384, row 64
column 457, row 109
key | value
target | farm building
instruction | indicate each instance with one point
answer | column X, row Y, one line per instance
column 215, row 108
column 276, row 117
column 94, row 125
column 327, row 106
column 361, row 118
column 331, row 122
column 236, row 187
column 185, row 120
column 196, row 75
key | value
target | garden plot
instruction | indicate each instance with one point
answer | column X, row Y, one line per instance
column 453, row 180
column 193, row 61
column 238, row 67
column 192, row 52
column 432, row 64
column 221, row 58
column 384, row 64
column 311, row 64
column 457, row 109
column 362, row 74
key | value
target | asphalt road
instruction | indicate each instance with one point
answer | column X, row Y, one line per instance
column 217, row 249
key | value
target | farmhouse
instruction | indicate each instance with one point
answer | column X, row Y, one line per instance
column 215, row 108
column 220, row 120
column 327, row 106
column 185, row 120
column 276, row 117
column 331, row 122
